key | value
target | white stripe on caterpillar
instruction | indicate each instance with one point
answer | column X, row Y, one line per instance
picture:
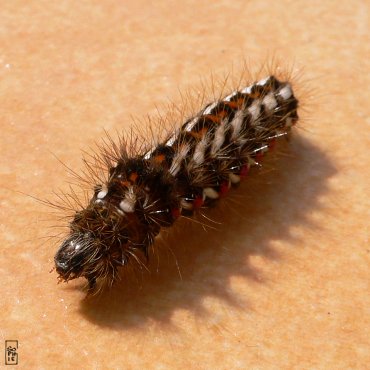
column 177, row 160
column 128, row 203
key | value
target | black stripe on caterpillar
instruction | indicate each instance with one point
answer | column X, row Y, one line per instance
column 192, row 168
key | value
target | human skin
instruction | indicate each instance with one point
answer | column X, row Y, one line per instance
column 280, row 279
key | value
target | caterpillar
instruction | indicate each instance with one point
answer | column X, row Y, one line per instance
column 148, row 189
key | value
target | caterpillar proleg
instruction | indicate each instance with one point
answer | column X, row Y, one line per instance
column 149, row 188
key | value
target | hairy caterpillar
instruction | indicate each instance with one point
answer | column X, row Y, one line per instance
column 149, row 188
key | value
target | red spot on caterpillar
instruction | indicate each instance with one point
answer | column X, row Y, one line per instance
column 175, row 212
column 259, row 156
column 224, row 188
column 198, row 202
column 272, row 144
column 244, row 171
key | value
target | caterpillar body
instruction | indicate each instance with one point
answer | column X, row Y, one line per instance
column 191, row 168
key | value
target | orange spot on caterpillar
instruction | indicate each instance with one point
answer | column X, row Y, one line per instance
column 235, row 104
column 133, row 177
column 159, row 158
column 125, row 183
column 199, row 134
column 213, row 118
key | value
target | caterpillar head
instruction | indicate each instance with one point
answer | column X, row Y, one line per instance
column 78, row 256
column 75, row 256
